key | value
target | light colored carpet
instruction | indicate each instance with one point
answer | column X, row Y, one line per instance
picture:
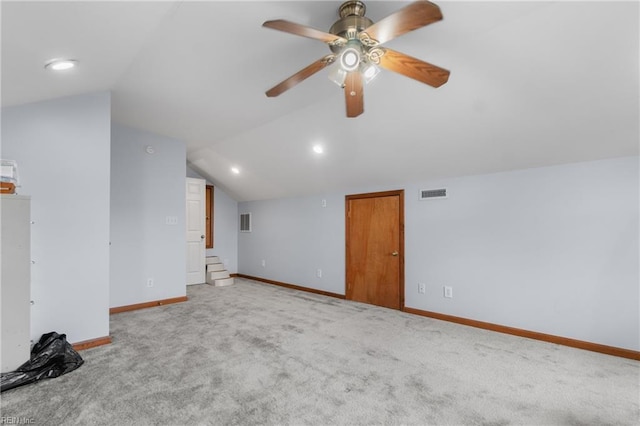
column 253, row 353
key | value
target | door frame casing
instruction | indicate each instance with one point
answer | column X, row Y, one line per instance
column 400, row 194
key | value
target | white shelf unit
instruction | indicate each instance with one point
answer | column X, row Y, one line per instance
column 15, row 280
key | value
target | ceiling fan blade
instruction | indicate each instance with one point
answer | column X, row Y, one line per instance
column 410, row 18
column 414, row 68
column 304, row 31
column 300, row 76
column 353, row 93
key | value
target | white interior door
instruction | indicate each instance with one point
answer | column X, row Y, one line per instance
column 195, row 231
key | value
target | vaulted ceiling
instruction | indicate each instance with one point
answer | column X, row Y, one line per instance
column 532, row 84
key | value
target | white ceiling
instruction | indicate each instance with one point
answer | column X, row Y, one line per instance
column 532, row 84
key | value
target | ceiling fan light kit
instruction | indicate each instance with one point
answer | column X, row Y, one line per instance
column 337, row 75
column 357, row 52
column 350, row 59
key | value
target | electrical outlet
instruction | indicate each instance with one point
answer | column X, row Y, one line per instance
column 319, row 273
column 264, row 263
column 149, row 282
column 324, row 202
column 448, row 292
column 422, row 288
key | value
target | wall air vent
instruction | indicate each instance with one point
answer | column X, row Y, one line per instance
column 427, row 194
column 245, row 222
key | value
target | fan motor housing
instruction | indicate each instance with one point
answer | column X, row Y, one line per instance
column 351, row 22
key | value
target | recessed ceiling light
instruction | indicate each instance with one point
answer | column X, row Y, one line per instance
column 318, row 149
column 235, row 170
column 61, row 64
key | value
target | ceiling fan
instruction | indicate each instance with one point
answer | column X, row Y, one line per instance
column 356, row 46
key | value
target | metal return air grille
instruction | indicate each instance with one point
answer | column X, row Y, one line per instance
column 245, row 222
column 426, row 194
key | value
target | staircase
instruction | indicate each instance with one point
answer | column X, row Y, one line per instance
column 216, row 274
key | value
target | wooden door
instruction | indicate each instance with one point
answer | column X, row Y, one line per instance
column 208, row 211
column 374, row 249
column 195, row 222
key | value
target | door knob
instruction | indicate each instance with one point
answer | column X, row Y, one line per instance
column 395, row 253
column 202, row 237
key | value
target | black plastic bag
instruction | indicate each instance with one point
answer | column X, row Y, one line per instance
column 51, row 357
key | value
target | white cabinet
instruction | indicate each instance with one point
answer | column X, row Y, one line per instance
column 15, row 280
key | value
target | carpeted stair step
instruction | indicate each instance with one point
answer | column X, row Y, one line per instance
column 223, row 282
column 212, row 259
column 216, row 275
column 215, row 267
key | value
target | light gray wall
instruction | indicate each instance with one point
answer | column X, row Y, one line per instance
column 225, row 230
column 62, row 148
column 225, row 226
column 147, row 191
column 295, row 237
column 553, row 249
